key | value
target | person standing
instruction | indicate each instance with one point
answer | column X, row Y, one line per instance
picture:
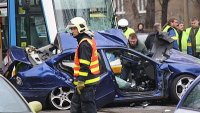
column 194, row 34
column 184, row 39
column 86, row 68
column 170, row 28
column 123, row 25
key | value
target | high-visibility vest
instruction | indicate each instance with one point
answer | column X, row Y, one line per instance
column 176, row 33
column 128, row 32
column 184, row 42
column 93, row 64
column 197, row 36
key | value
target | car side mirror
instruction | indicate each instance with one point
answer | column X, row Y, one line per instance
column 35, row 106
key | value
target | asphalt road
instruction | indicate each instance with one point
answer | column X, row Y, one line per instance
column 130, row 108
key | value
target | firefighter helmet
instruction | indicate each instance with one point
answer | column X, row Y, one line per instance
column 123, row 23
column 79, row 23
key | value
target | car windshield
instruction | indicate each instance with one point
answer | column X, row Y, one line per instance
column 97, row 13
column 193, row 99
column 10, row 101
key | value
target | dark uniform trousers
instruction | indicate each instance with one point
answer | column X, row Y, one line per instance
column 84, row 102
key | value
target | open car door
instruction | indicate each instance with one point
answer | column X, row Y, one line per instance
column 105, row 90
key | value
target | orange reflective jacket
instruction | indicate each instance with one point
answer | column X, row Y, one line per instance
column 94, row 63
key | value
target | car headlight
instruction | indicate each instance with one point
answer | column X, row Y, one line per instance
column 19, row 81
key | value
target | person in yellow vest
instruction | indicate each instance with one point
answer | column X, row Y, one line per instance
column 194, row 34
column 123, row 25
column 86, row 68
column 170, row 28
column 184, row 39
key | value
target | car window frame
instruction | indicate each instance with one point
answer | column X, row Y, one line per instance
column 187, row 96
column 135, row 54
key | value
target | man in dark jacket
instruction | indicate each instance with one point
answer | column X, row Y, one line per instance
column 130, row 67
column 151, row 37
column 135, row 44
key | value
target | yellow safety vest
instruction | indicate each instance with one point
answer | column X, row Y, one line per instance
column 188, row 30
column 174, row 37
column 128, row 32
column 184, row 42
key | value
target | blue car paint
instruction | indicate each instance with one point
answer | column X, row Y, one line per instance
column 18, row 54
column 103, row 39
column 43, row 76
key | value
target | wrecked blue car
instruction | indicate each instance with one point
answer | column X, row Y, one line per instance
column 46, row 74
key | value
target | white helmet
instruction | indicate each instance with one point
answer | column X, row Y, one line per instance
column 123, row 23
column 79, row 23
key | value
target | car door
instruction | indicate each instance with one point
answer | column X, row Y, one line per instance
column 105, row 90
column 132, row 68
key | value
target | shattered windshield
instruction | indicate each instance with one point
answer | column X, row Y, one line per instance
column 97, row 13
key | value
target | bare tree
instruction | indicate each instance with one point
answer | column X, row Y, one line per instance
column 134, row 9
column 164, row 5
column 150, row 15
column 134, row 16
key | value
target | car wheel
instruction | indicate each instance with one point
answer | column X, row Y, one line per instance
column 179, row 85
column 60, row 98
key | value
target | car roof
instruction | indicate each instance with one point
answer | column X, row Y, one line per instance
column 106, row 38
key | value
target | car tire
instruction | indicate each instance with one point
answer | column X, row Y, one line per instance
column 179, row 85
column 60, row 98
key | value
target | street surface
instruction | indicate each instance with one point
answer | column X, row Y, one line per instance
column 130, row 108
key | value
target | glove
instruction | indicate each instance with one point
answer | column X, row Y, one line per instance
column 80, row 86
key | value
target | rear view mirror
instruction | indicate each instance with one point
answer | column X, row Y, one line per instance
column 35, row 106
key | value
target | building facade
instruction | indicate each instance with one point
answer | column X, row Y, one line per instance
column 135, row 10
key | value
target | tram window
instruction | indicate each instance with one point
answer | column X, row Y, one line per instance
column 98, row 13
column 31, row 27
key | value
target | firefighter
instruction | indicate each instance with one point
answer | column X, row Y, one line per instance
column 194, row 34
column 86, row 68
column 123, row 25
column 170, row 28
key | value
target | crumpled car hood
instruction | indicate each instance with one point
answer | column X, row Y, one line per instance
column 179, row 62
column 179, row 57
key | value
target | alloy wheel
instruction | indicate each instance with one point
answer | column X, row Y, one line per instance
column 182, row 85
column 61, row 97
